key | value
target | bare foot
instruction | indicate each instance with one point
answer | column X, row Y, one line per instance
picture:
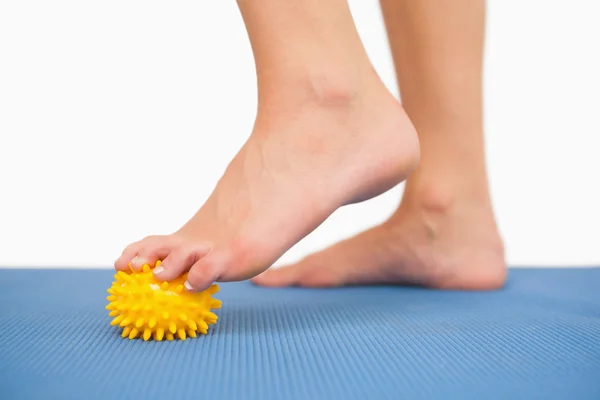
column 436, row 244
column 305, row 158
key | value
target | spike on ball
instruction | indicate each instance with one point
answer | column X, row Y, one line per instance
column 147, row 309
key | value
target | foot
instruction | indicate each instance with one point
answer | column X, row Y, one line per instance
column 435, row 244
column 308, row 155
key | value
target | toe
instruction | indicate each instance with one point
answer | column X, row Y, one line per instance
column 148, row 251
column 350, row 261
column 208, row 270
column 316, row 270
column 280, row 277
column 151, row 254
column 180, row 259
column 129, row 253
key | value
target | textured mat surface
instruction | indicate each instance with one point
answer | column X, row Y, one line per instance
column 537, row 339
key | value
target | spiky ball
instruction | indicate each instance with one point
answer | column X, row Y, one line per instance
column 147, row 308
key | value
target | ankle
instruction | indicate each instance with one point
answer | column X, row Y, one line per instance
column 328, row 87
column 442, row 196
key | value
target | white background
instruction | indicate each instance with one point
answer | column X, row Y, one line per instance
column 118, row 117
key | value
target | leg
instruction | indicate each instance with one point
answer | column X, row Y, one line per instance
column 318, row 143
column 444, row 234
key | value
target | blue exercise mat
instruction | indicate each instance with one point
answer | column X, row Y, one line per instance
column 539, row 338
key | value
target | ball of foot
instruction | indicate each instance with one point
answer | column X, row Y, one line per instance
column 147, row 308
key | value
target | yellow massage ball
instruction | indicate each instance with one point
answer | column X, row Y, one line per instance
column 147, row 308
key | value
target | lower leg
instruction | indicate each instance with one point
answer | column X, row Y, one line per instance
column 444, row 234
column 327, row 133
column 437, row 48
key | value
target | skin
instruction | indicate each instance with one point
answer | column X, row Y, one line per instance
column 328, row 133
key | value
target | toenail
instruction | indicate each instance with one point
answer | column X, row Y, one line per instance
column 188, row 286
column 158, row 270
